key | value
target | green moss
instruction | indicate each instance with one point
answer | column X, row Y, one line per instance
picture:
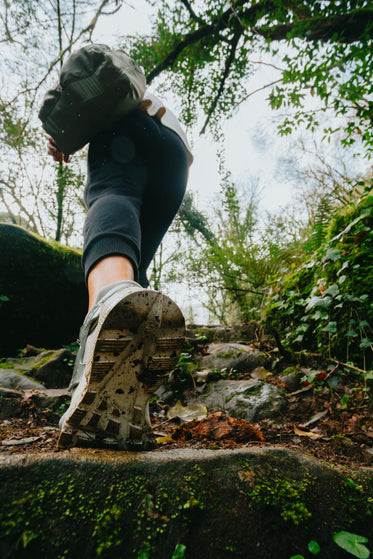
column 45, row 285
column 41, row 360
column 287, row 494
column 6, row 366
column 113, row 512
column 290, row 370
column 229, row 354
column 108, row 515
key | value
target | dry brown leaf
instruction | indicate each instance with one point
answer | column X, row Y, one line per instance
column 17, row 442
column 164, row 440
column 187, row 413
column 309, row 434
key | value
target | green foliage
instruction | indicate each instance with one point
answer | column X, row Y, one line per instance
column 313, row 547
column 325, row 302
column 353, row 544
column 210, row 49
column 229, row 255
column 179, row 552
column 181, row 377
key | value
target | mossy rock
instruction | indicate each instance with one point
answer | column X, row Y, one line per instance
column 43, row 293
column 218, row 333
column 53, row 368
column 259, row 503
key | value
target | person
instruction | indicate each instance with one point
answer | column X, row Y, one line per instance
column 132, row 336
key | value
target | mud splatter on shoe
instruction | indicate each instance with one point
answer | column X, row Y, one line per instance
column 131, row 339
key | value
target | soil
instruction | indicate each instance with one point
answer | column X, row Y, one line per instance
column 330, row 418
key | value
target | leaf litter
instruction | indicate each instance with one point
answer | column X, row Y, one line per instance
column 332, row 421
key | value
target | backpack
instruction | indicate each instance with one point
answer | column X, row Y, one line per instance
column 97, row 86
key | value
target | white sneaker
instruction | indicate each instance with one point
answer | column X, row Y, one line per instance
column 130, row 340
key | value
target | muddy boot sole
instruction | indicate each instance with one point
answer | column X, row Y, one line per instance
column 135, row 345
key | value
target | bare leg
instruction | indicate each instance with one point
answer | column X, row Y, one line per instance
column 106, row 271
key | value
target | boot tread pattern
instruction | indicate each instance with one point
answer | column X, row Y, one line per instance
column 138, row 344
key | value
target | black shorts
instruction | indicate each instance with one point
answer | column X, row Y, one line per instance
column 137, row 175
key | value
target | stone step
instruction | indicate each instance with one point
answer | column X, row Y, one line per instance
column 252, row 503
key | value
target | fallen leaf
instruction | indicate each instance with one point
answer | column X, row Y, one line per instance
column 314, row 418
column 218, row 426
column 187, row 413
column 16, row 442
column 164, row 440
column 308, row 434
column 260, row 373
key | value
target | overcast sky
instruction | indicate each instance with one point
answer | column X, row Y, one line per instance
column 251, row 142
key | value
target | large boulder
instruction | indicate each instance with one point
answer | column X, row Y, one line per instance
column 10, row 378
column 247, row 399
column 241, row 358
column 52, row 368
column 218, row 333
column 56, row 370
column 42, row 289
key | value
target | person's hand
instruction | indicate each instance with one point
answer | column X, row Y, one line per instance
column 144, row 105
column 54, row 152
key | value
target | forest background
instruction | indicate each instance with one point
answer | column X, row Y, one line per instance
column 303, row 268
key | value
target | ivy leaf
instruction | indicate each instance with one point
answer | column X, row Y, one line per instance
column 313, row 547
column 352, row 543
column 332, row 254
column 343, row 267
column 318, row 302
column 331, row 328
column 351, row 334
column 333, row 290
column 179, row 552
column 365, row 343
column 364, row 214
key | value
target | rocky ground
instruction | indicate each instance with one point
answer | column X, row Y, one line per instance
column 231, row 389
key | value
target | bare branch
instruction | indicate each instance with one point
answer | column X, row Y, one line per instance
column 266, row 64
column 228, row 64
column 257, row 90
column 112, row 11
column 8, row 35
column 73, row 22
column 5, row 21
column 192, row 13
column 90, row 28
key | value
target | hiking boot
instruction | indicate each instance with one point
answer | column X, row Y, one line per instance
column 130, row 340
